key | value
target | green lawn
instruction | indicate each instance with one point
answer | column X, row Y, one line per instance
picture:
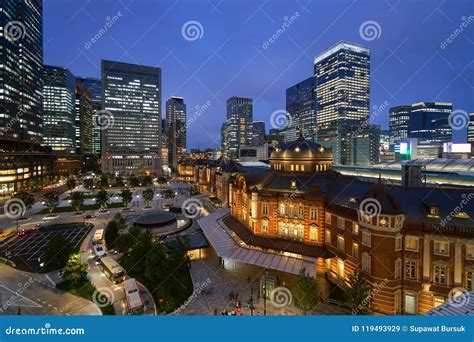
column 83, row 208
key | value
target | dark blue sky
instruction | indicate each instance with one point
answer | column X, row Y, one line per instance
column 407, row 62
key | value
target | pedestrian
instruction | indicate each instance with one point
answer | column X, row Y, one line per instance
column 215, row 311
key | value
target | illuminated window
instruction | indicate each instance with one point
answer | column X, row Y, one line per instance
column 398, row 243
column 461, row 214
column 313, row 214
column 440, row 275
column 327, row 237
column 265, row 226
column 265, row 208
column 410, row 270
column 383, row 221
column 398, row 268
column 301, row 211
column 441, row 248
column 340, row 268
column 293, row 184
column 313, row 232
column 355, row 250
column 340, row 243
column 433, row 211
column 438, row 301
column 469, row 251
column 302, row 167
column 469, row 284
column 366, row 263
column 328, row 218
column 292, row 167
column 355, row 228
column 411, row 243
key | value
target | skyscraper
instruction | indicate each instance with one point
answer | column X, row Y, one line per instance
column 83, row 120
column 341, row 95
column 131, row 137
column 258, row 132
column 239, row 125
column 365, row 146
column 176, row 121
column 59, row 113
column 342, row 91
column 94, row 86
column 21, row 102
column 300, row 108
column 398, row 123
column 470, row 128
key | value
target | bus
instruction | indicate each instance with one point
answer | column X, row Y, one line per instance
column 134, row 300
column 112, row 269
column 98, row 236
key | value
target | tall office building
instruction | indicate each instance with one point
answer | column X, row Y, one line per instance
column 342, row 91
column 365, row 146
column 83, row 120
column 224, row 140
column 341, row 95
column 131, row 141
column 94, row 86
column 239, row 125
column 300, row 109
column 398, row 123
column 258, row 133
column 470, row 128
column 176, row 121
column 23, row 162
column 59, row 113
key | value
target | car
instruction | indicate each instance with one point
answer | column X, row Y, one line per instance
column 97, row 260
column 38, row 226
column 22, row 232
column 99, row 251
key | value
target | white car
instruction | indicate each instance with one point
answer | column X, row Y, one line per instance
column 99, row 250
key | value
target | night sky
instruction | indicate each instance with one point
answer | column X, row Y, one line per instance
column 410, row 58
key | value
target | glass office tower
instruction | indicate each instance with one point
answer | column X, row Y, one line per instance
column 94, row 85
column 131, row 142
column 176, row 121
column 300, row 108
column 239, row 125
column 59, row 113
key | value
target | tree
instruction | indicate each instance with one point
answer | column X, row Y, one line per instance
column 147, row 181
column 51, row 200
column 193, row 190
column 104, row 181
column 88, row 183
column 119, row 181
column 161, row 180
column 133, row 180
column 111, row 233
column 306, row 292
column 126, row 196
column 167, row 194
column 77, row 200
column 74, row 271
column 71, row 184
column 357, row 294
column 102, row 198
column 148, row 196
column 27, row 198
column 155, row 263
column 124, row 242
column 57, row 252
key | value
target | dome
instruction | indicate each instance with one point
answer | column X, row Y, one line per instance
column 301, row 155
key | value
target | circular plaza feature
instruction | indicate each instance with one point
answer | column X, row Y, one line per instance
column 161, row 222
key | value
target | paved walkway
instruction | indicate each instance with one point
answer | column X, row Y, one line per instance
column 220, row 282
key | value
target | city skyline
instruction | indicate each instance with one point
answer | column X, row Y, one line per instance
column 403, row 57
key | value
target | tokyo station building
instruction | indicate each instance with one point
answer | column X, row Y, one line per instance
column 414, row 245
